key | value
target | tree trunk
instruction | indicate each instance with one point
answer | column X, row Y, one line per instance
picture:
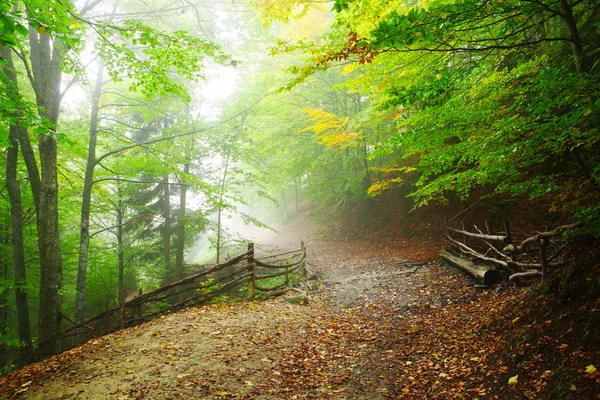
column 45, row 64
column 218, row 234
column 13, row 188
column 120, row 247
column 296, row 186
column 180, row 245
column 482, row 273
column 285, row 213
column 4, row 298
column 221, row 196
column 166, row 211
column 18, row 249
column 566, row 13
column 86, row 201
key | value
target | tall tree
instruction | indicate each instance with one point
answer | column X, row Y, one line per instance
column 16, row 210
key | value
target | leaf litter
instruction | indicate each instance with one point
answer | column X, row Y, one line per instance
column 376, row 327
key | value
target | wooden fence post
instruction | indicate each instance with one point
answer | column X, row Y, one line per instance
column 543, row 260
column 304, row 263
column 137, row 310
column 251, row 284
column 509, row 239
column 462, row 225
column 122, row 308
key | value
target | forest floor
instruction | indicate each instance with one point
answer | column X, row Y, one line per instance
column 375, row 327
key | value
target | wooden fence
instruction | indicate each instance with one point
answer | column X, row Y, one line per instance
column 489, row 251
column 198, row 288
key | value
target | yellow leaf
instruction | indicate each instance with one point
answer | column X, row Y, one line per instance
column 590, row 369
column 221, row 393
column 515, row 320
column 563, row 346
column 512, row 380
column 573, row 388
column 41, row 29
column 348, row 69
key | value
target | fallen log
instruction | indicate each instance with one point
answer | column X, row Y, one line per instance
column 498, row 238
column 533, row 273
column 512, row 248
column 275, row 293
column 482, row 273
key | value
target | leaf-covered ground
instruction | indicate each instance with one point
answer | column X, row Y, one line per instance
column 375, row 328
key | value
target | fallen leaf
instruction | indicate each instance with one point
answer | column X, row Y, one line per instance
column 590, row 369
column 513, row 380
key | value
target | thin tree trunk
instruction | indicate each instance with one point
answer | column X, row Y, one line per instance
column 285, row 213
column 296, row 185
column 120, row 246
column 18, row 249
column 218, row 234
column 13, row 188
column 221, row 195
column 167, row 229
column 180, row 245
column 4, row 274
column 365, row 160
column 84, row 239
column 566, row 13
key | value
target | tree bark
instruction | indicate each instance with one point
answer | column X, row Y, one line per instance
column 13, row 188
column 46, row 58
column 285, row 213
column 296, row 187
column 4, row 299
column 534, row 273
column 180, row 245
column 221, row 196
column 120, row 247
column 86, row 201
column 18, row 249
column 482, row 273
column 566, row 13
column 166, row 211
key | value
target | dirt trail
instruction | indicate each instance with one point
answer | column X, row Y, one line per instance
column 341, row 345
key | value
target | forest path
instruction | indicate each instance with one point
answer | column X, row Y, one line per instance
column 352, row 341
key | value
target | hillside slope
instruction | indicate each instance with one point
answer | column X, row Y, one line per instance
column 376, row 327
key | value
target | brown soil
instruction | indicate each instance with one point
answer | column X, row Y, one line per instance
column 374, row 328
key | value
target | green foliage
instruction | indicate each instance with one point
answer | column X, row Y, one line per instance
column 148, row 58
column 11, row 29
column 477, row 95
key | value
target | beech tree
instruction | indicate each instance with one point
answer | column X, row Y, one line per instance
column 502, row 96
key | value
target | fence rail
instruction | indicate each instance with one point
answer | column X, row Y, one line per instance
column 500, row 249
column 198, row 288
